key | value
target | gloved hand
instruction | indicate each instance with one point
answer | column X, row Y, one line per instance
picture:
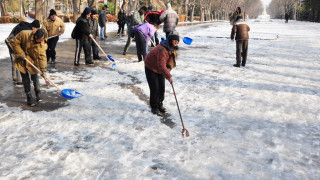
column 44, row 74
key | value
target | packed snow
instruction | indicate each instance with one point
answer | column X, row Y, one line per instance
column 256, row 122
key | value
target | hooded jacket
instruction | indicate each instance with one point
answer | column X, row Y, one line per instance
column 170, row 18
column 54, row 27
column 240, row 30
column 161, row 59
column 146, row 29
column 24, row 44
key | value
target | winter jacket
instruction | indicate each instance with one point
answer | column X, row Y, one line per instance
column 82, row 28
column 170, row 18
column 21, row 26
column 146, row 29
column 240, row 30
column 138, row 18
column 24, row 44
column 53, row 27
column 121, row 18
column 161, row 59
column 93, row 27
column 102, row 18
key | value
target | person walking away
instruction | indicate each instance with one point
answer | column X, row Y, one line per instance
column 121, row 21
column 95, row 32
column 286, row 16
column 16, row 30
column 102, row 22
column 158, row 64
column 143, row 33
column 83, row 35
column 240, row 33
column 170, row 20
column 30, row 45
column 54, row 27
column 136, row 19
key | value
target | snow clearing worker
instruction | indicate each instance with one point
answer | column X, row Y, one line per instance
column 30, row 45
column 82, row 34
column 16, row 30
column 95, row 33
column 158, row 65
column 240, row 32
column 54, row 27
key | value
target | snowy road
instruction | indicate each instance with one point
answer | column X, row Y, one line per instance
column 257, row 122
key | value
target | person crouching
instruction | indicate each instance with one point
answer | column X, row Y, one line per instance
column 158, row 65
column 30, row 45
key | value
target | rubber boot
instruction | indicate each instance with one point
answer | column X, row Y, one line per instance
column 38, row 96
column 30, row 100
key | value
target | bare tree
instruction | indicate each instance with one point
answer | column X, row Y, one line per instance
column 92, row 4
column 3, row 8
column 75, row 10
column 39, row 10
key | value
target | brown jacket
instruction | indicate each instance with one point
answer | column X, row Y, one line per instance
column 24, row 44
column 240, row 30
column 160, row 60
column 53, row 27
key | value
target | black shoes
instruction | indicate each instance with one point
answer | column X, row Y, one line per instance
column 155, row 111
column 89, row 62
column 76, row 63
column 236, row 65
column 97, row 58
column 124, row 53
column 243, row 65
column 102, row 39
column 162, row 109
column 38, row 96
column 30, row 100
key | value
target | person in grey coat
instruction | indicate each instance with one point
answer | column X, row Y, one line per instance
column 95, row 32
column 170, row 20
column 102, row 21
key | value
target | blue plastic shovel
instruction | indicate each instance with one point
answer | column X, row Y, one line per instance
column 66, row 93
column 186, row 40
column 109, row 57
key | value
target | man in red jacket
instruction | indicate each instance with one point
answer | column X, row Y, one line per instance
column 158, row 65
column 240, row 32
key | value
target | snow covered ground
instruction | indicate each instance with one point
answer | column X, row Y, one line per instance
column 257, row 122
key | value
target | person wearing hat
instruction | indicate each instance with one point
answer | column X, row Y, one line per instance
column 16, row 30
column 30, row 45
column 54, row 27
column 95, row 32
column 83, row 36
column 121, row 21
column 158, row 65
column 240, row 32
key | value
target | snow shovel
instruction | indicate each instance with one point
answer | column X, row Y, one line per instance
column 109, row 57
column 184, row 131
column 186, row 40
column 52, row 36
column 66, row 93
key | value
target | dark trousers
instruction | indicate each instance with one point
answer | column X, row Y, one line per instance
column 242, row 51
column 156, row 84
column 95, row 49
column 141, row 46
column 51, row 51
column 26, row 82
column 85, row 44
column 121, row 28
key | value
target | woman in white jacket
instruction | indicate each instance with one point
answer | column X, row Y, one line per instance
column 170, row 20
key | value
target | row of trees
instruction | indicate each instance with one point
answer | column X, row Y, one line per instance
column 307, row 10
column 206, row 9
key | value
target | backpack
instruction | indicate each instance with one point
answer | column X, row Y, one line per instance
column 76, row 33
column 153, row 17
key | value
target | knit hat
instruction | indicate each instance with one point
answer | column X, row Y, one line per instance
column 52, row 12
column 93, row 12
column 35, row 23
column 86, row 11
column 173, row 35
column 150, row 8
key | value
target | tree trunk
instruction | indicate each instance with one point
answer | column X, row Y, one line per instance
column 125, row 5
column 116, row 2
column 75, row 10
column 3, row 8
column 192, row 13
column 92, row 4
column 39, row 11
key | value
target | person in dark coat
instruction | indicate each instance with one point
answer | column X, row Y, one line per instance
column 121, row 21
column 170, row 20
column 95, row 32
column 16, row 30
column 83, row 35
column 240, row 32
column 158, row 65
column 102, row 22
column 286, row 16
